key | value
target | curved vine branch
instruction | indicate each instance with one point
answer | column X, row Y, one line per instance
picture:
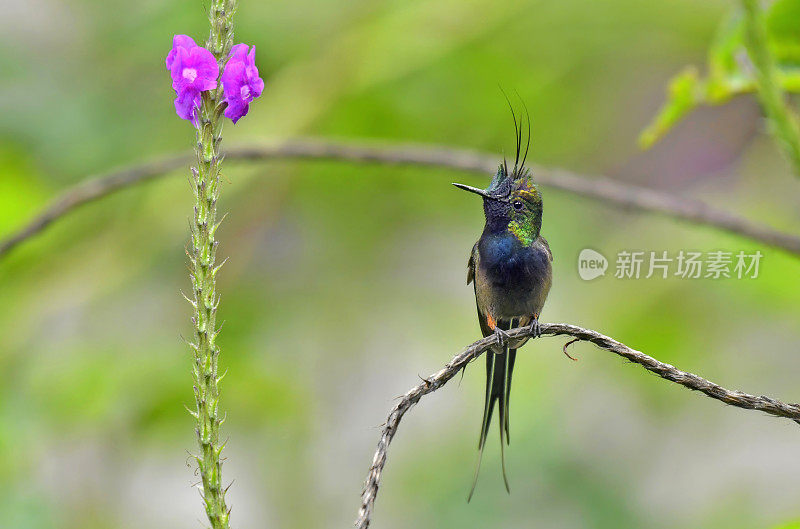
column 592, row 186
column 440, row 378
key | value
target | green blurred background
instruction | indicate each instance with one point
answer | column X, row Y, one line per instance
column 346, row 282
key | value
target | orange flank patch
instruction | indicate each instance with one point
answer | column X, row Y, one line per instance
column 491, row 322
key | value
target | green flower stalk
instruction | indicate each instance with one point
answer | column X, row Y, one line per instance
column 783, row 122
column 202, row 255
column 218, row 80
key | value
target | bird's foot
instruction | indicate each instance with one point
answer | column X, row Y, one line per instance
column 534, row 328
column 502, row 336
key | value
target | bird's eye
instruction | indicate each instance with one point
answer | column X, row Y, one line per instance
column 518, row 205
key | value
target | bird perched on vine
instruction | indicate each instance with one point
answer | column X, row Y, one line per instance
column 510, row 269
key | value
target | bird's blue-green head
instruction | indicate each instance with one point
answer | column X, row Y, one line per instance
column 511, row 202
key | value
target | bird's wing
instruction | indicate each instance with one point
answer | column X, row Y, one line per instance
column 472, row 263
column 546, row 247
column 483, row 320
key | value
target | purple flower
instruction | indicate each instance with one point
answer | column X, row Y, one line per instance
column 193, row 69
column 188, row 106
column 179, row 41
column 240, row 81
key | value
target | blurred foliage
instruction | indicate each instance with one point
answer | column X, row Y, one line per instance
column 729, row 71
column 347, row 282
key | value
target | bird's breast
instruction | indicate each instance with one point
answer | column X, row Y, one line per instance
column 511, row 279
column 505, row 261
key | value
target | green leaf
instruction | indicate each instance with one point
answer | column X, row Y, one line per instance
column 790, row 79
column 726, row 76
column 729, row 71
column 783, row 32
column 683, row 89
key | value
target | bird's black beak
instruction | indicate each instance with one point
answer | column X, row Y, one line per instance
column 475, row 190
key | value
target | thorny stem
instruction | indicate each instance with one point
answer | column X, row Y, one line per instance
column 783, row 122
column 202, row 256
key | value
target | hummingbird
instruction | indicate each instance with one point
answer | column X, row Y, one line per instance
column 510, row 267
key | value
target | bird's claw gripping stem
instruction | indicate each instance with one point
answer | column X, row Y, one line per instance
column 502, row 336
column 534, row 328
